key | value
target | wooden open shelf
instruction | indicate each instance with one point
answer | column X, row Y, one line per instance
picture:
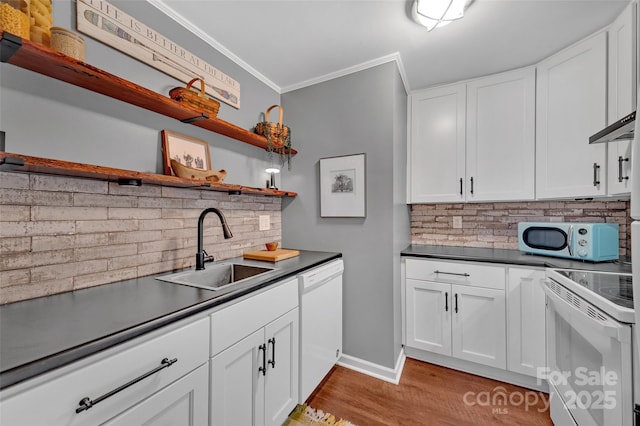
column 25, row 163
column 35, row 57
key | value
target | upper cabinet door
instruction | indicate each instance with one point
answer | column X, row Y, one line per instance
column 501, row 137
column 622, row 96
column 436, row 156
column 571, row 106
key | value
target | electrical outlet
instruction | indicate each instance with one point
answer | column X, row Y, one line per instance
column 264, row 223
column 457, row 222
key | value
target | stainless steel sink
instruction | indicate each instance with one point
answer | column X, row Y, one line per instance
column 215, row 276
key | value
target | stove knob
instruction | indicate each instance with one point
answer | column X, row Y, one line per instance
column 582, row 243
column 582, row 253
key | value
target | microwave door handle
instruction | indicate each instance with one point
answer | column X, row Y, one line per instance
column 570, row 240
column 570, row 313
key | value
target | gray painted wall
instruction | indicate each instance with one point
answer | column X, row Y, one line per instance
column 361, row 112
column 47, row 118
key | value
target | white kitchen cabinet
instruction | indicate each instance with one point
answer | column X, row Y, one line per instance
column 473, row 141
column 428, row 316
column 254, row 373
column 571, row 99
column 621, row 96
column 436, row 151
column 526, row 321
column 500, row 145
column 478, row 326
column 52, row 399
column 456, row 309
column 184, row 403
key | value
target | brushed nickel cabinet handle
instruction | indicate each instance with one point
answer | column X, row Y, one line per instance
column 596, row 168
column 620, row 161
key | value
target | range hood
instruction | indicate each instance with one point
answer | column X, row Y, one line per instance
column 618, row 131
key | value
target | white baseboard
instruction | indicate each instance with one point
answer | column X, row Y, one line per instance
column 391, row 375
column 478, row 370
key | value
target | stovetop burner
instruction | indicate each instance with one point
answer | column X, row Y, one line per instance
column 617, row 288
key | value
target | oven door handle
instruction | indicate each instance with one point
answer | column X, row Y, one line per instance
column 568, row 311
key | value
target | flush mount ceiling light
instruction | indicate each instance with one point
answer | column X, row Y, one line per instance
column 438, row 13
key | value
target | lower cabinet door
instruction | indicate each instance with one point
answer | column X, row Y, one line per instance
column 526, row 321
column 479, row 325
column 428, row 316
column 184, row 402
column 281, row 381
column 237, row 383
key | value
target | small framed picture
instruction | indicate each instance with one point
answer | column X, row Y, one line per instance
column 343, row 186
column 188, row 151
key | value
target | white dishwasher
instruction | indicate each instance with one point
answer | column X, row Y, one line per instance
column 320, row 324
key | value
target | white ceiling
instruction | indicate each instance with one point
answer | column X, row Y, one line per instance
column 293, row 43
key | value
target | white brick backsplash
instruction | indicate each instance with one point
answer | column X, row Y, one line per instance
column 15, row 245
column 192, row 214
column 136, row 191
column 162, row 245
column 67, row 270
column 15, row 213
column 20, row 229
column 29, row 260
column 134, row 213
column 115, row 225
column 46, row 243
column 169, row 192
column 160, row 224
column 134, row 237
column 14, row 180
column 133, row 261
column 91, row 280
column 59, row 233
column 61, row 183
column 169, row 203
column 33, row 290
column 100, row 200
column 105, row 252
column 40, row 213
column 14, row 277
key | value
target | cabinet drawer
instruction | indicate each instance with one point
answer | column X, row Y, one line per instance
column 55, row 401
column 464, row 273
column 235, row 322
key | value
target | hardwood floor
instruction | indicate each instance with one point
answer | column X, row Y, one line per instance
column 428, row 395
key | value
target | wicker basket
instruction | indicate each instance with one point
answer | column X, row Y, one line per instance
column 278, row 135
column 200, row 100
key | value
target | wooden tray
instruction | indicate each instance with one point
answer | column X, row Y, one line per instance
column 271, row 256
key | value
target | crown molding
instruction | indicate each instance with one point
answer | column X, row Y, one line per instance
column 394, row 57
column 171, row 13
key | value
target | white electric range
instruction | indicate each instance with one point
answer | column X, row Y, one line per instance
column 590, row 349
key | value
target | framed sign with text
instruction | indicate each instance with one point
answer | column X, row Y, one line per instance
column 108, row 24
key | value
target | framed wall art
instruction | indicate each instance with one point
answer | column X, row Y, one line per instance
column 343, row 186
column 188, row 151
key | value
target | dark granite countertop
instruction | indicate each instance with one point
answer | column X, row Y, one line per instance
column 42, row 334
column 512, row 257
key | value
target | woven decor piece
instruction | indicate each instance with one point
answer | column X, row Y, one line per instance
column 198, row 99
column 305, row 415
column 278, row 136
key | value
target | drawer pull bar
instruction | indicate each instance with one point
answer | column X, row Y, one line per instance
column 263, row 368
column 452, row 273
column 87, row 403
column 272, row 361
